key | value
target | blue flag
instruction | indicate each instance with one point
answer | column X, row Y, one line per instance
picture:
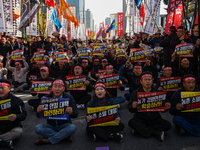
column 55, row 20
column 111, row 27
column 138, row 3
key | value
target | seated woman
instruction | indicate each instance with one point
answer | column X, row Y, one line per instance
column 104, row 132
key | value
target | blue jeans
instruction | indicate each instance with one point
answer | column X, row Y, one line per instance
column 55, row 134
column 119, row 100
column 190, row 125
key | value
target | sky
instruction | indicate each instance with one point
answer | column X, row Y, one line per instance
column 103, row 8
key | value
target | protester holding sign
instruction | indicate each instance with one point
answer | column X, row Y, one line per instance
column 179, row 38
column 61, row 69
column 168, row 83
column 107, row 131
column 133, row 80
column 12, row 113
column 186, row 121
column 112, row 92
column 184, row 69
column 147, row 123
column 44, row 71
column 82, row 98
column 57, row 130
column 19, row 74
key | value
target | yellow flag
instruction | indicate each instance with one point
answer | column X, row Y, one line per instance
column 67, row 13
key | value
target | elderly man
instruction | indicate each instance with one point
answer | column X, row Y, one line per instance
column 11, row 116
column 19, row 74
column 57, row 130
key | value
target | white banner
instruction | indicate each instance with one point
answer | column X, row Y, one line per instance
column 8, row 15
column 50, row 27
column 73, row 29
column 150, row 22
column 33, row 26
column 130, row 8
column 17, row 5
column 63, row 30
column 2, row 23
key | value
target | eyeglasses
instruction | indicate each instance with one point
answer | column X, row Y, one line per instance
column 96, row 61
column 84, row 62
column 104, row 61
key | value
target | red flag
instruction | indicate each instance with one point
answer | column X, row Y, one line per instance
column 178, row 13
column 68, row 30
column 196, row 20
column 50, row 3
column 120, row 24
column 142, row 14
column 170, row 15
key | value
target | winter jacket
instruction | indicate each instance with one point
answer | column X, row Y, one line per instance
column 18, row 108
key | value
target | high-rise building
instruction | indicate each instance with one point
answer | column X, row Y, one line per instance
column 107, row 21
column 80, row 9
column 124, row 12
column 89, row 19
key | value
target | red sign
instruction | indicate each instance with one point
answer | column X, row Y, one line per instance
column 76, row 82
column 170, row 83
column 110, row 80
column 184, row 50
column 120, row 24
column 16, row 55
column 151, row 101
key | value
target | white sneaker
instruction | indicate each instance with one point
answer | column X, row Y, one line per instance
column 118, row 106
column 80, row 106
column 12, row 90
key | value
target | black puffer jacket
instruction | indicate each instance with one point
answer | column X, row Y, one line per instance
column 18, row 108
column 143, row 115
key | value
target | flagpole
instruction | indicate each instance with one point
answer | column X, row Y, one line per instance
column 29, row 28
column 199, row 17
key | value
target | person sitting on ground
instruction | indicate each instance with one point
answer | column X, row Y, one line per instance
column 112, row 92
column 133, row 80
column 104, row 132
column 147, row 123
column 44, row 71
column 19, row 74
column 57, row 130
column 81, row 97
column 185, row 121
column 11, row 127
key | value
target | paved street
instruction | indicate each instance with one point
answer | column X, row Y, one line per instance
column 81, row 141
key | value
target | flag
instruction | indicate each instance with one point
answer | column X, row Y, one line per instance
column 55, row 20
column 140, row 6
column 170, row 15
column 87, row 32
column 111, row 27
column 50, row 3
column 68, row 30
column 67, row 13
column 92, row 35
column 178, row 13
column 34, row 7
column 196, row 20
column 15, row 14
column 99, row 33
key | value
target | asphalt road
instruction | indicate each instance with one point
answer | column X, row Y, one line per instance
column 81, row 141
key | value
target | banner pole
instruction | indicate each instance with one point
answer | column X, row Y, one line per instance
column 29, row 28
